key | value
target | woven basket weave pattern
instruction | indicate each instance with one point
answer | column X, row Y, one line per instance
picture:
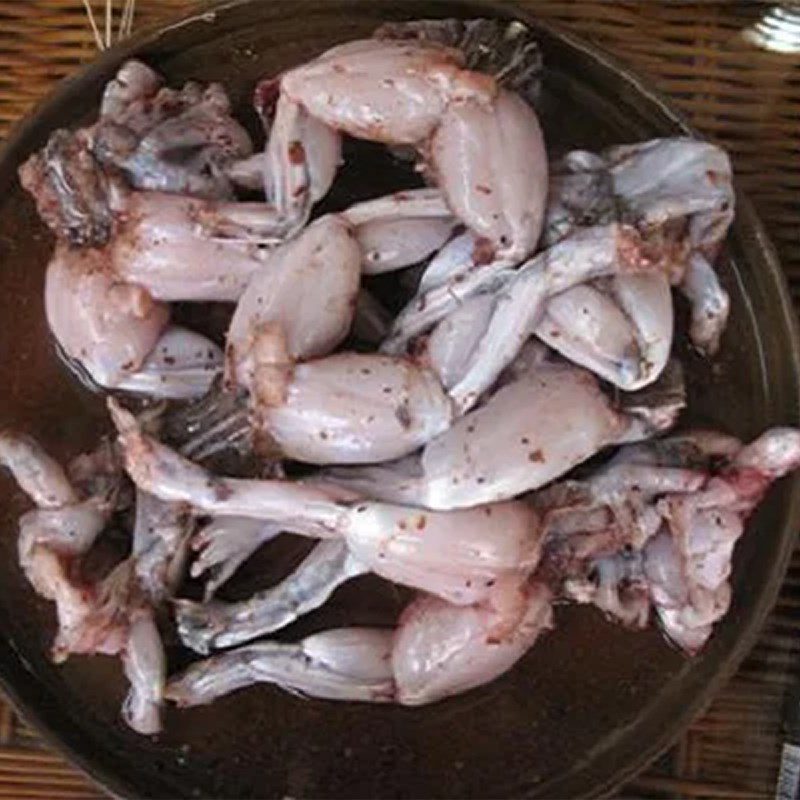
column 744, row 98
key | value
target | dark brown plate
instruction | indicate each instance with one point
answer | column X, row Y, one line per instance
column 591, row 704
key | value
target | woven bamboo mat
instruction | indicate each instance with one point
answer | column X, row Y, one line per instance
column 747, row 99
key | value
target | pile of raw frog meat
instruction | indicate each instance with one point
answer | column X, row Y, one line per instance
column 431, row 438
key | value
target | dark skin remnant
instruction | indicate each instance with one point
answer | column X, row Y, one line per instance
column 70, row 190
column 265, row 97
column 403, row 415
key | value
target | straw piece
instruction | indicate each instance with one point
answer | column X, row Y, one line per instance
column 98, row 39
column 131, row 13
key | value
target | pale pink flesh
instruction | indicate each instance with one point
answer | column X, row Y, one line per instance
column 391, row 92
column 392, row 244
column 601, row 251
column 307, row 289
column 457, row 555
column 453, row 340
column 351, row 664
column 441, row 650
column 120, row 334
column 483, row 145
column 438, row 650
column 145, row 667
column 661, row 534
column 464, row 549
column 108, row 326
column 490, row 163
column 528, row 433
column 357, row 408
column 39, row 475
column 300, row 161
column 181, row 248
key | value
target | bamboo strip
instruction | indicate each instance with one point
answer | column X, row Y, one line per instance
column 716, row 719
column 701, row 789
column 63, row 781
column 18, row 755
column 58, row 773
column 24, row 792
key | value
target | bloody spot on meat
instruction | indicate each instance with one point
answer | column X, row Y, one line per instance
column 536, row 457
column 422, row 521
column 296, row 153
column 482, row 251
column 266, row 96
column 483, row 189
